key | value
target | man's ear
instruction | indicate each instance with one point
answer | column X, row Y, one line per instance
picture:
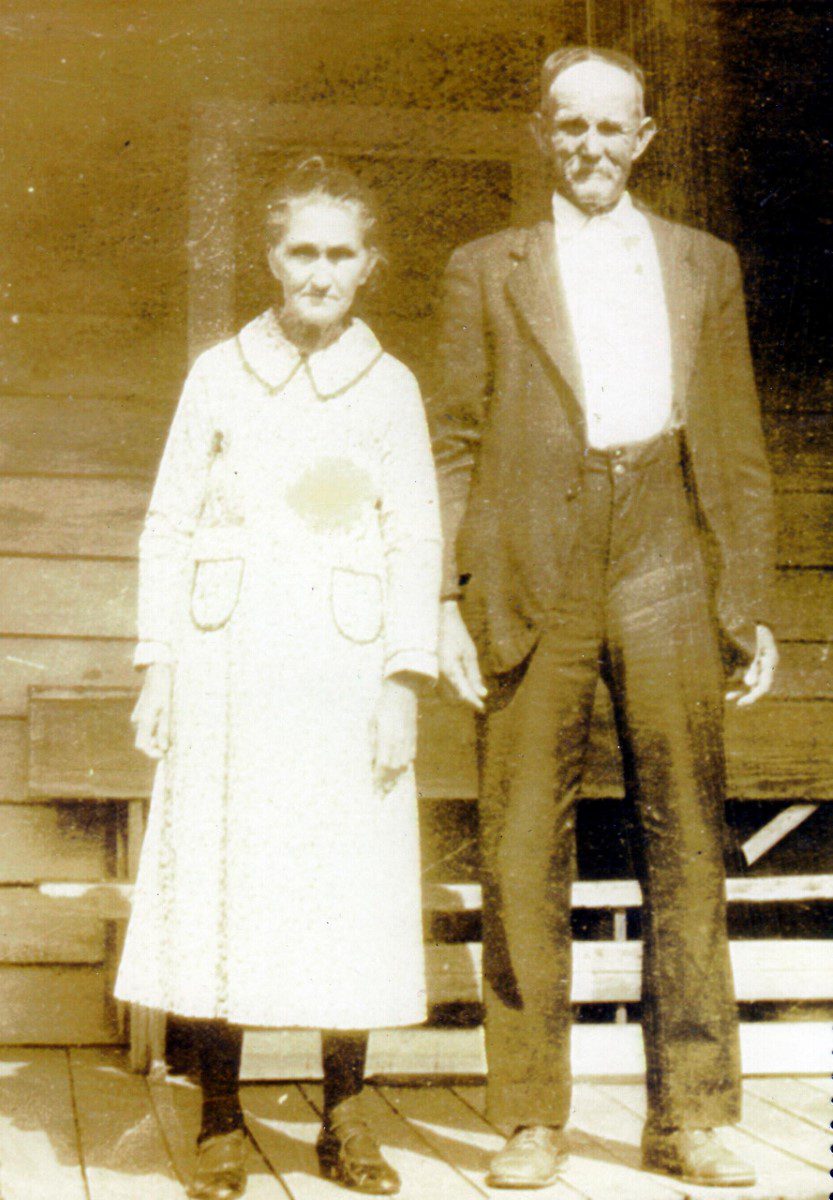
column 645, row 135
column 539, row 127
column 270, row 258
column 372, row 262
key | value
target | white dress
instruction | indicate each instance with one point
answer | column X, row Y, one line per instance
column 289, row 563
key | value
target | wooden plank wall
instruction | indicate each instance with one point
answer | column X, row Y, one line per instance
column 92, row 347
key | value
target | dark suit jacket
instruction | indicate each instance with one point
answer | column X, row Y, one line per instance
column 509, row 431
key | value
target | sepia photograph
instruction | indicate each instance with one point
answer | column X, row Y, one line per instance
column 416, row 599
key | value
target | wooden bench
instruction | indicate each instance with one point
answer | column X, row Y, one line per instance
column 81, row 749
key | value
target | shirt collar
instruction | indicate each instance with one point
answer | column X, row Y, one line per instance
column 268, row 354
column 571, row 221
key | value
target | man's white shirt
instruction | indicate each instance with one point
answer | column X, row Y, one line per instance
column 615, row 297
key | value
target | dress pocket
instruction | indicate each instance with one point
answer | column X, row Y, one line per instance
column 215, row 591
column 356, row 603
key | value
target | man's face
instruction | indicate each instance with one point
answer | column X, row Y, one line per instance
column 593, row 132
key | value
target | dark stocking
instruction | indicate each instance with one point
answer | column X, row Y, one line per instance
column 219, row 1047
column 343, row 1056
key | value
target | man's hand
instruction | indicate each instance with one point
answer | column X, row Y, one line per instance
column 394, row 730
column 458, row 657
column 760, row 673
column 152, row 714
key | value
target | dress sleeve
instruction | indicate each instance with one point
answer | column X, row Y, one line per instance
column 411, row 533
column 175, row 506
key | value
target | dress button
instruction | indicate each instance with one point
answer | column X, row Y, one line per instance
column 618, row 469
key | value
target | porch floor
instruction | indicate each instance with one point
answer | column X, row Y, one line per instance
column 76, row 1125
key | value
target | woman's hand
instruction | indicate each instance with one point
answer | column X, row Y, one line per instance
column 394, row 730
column 152, row 714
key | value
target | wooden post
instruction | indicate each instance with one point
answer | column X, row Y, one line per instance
column 212, row 187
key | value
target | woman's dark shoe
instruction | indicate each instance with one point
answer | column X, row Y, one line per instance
column 221, row 1167
column 349, row 1154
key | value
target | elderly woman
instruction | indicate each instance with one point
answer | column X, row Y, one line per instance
column 289, row 577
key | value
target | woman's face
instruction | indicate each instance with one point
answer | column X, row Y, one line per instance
column 321, row 261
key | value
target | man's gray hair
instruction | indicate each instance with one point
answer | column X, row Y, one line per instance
column 560, row 60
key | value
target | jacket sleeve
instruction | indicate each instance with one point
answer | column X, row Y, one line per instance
column 457, row 401
column 410, row 527
column 739, row 504
column 165, row 542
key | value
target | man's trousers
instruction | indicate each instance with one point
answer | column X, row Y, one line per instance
column 635, row 610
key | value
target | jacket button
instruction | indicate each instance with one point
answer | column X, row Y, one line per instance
column 571, row 493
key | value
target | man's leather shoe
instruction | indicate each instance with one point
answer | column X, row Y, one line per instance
column 221, row 1167
column 349, row 1154
column 532, row 1157
column 694, row 1156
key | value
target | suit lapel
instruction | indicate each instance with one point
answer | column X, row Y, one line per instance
column 683, row 285
column 537, row 293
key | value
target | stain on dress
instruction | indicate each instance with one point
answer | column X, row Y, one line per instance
column 332, row 494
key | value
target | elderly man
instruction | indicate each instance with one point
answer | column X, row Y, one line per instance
column 608, row 513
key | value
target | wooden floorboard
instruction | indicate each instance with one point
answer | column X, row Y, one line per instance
column 462, row 1138
column 125, row 1155
column 423, row 1171
column 284, row 1126
column 820, row 1083
column 176, row 1104
column 779, row 1172
column 39, row 1151
column 794, row 1097
column 78, row 1126
column 789, row 1133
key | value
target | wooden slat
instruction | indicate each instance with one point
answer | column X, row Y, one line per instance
column 122, row 1146
column 111, row 901
column 86, row 354
column 88, row 598
column 48, row 1006
column 774, row 751
column 14, row 767
column 805, row 672
column 423, row 133
column 60, row 662
column 805, row 529
column 800, row 447
column 82, row 745
column 67, row 597
column 804, row 605
column 101, row 518
column 610, row 972
column 767, row 1048
column 35, row 930
column 82, row 435
column 100, row 435
column 38, row 1144
column 60, row 842
column 626, row 893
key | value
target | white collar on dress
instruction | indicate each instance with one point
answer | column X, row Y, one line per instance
column 273, row 360
column 571, row 221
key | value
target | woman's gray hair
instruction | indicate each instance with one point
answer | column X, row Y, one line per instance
column 560, row 60
column 320, row 177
